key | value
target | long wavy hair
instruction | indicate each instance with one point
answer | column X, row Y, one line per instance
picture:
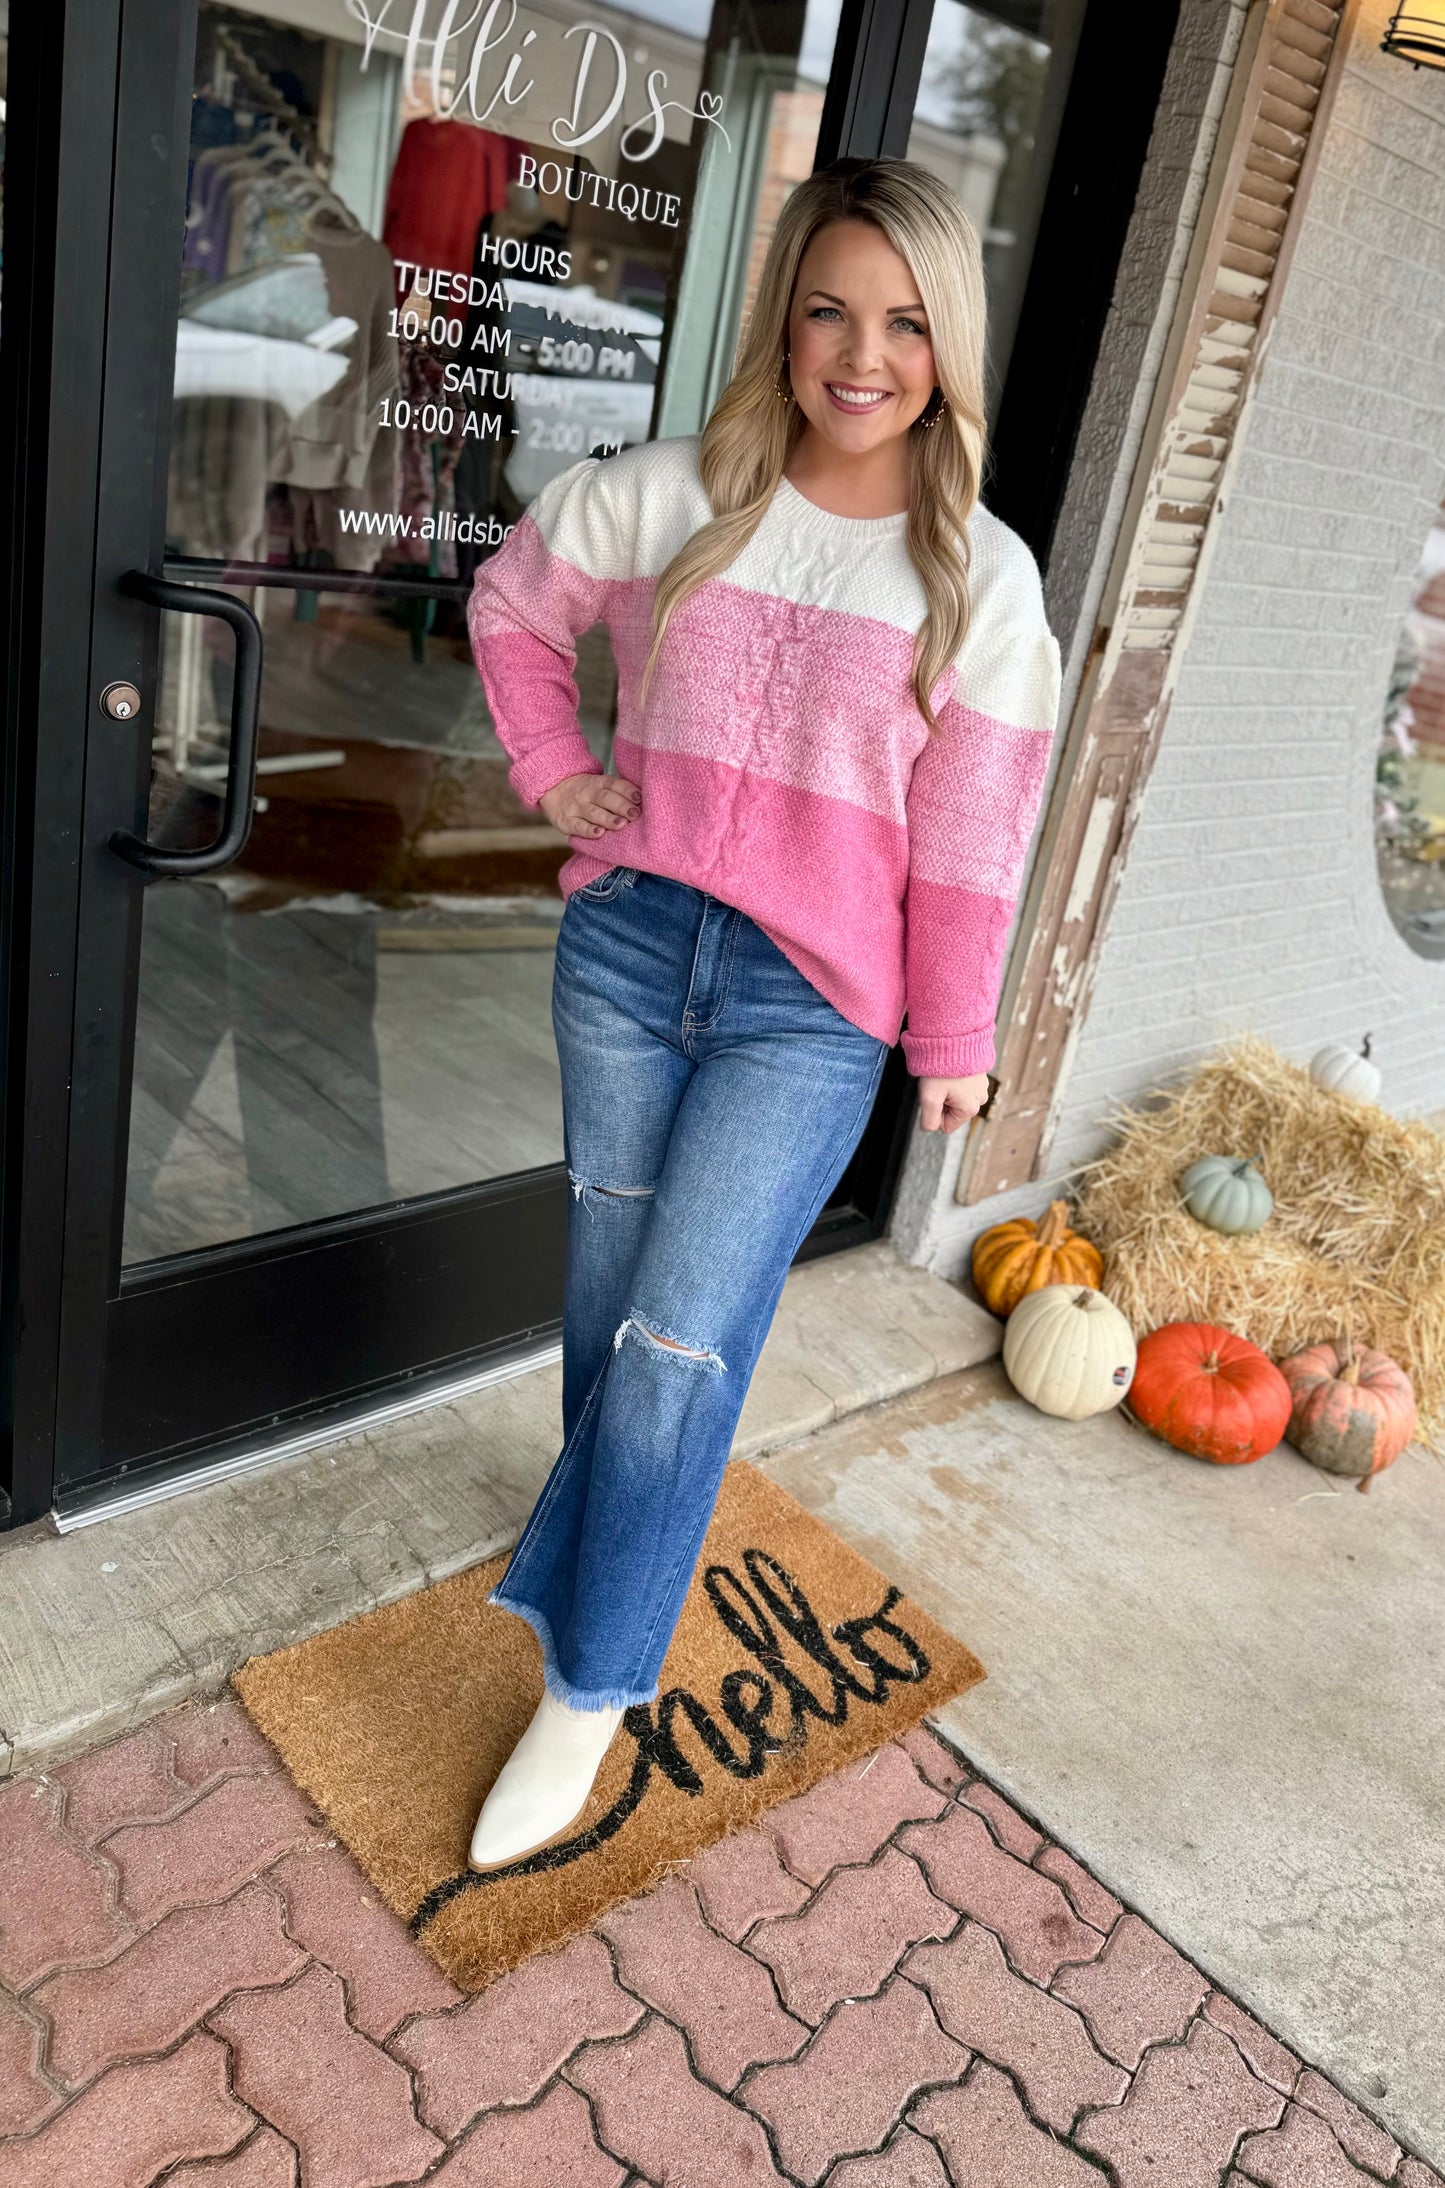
column 751, row 433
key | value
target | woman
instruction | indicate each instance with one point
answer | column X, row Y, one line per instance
column 836, row 693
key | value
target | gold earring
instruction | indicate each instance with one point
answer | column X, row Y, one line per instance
column 929, row 423
column 778, row 388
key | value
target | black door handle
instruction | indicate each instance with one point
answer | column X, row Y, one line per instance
column 240, row 803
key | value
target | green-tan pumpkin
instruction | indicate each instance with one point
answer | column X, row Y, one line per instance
column 1353, row 1408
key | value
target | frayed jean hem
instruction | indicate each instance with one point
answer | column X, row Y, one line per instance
column 560, row 1688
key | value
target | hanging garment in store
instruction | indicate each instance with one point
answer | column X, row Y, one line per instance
column 448, row 176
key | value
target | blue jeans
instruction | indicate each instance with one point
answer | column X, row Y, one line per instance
column 711, row 1099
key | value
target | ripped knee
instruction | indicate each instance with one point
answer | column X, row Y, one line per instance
column 588, row 1191
column 663, row 1342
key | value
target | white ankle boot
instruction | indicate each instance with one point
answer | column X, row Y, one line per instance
column 543, row 1785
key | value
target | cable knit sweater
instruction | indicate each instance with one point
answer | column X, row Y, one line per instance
column 782, row 761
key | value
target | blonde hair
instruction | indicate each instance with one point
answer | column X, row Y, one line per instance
column 750, row 435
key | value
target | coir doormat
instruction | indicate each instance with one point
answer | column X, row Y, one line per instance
column 793, row 1655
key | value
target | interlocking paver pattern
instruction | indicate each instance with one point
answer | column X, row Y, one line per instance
column 1042, row 2042
column 1299, row 2153
column 718, row 1995
column 1139, row 1992
column 894, row 1981
column 848, row 1942
column 505, row 2044
column 1186, row 2110
column 1356, row 2133
column 966, row 1866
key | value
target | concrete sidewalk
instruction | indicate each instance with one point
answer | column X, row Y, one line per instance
column 1223, row 1687
column 101, row 1627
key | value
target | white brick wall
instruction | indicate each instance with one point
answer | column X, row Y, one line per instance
column 1251, row 900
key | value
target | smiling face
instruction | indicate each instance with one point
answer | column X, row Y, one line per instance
column 859, row 355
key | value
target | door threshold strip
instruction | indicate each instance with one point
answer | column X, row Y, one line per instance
column 310, row 1439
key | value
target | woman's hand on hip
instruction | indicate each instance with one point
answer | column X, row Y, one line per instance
column 589, row 805
column 945, row 1104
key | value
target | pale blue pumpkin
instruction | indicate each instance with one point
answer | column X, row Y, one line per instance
column 1227, row 1193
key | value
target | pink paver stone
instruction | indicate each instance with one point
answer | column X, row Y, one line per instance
column 1038, row 1927
column 1271, row 2062
column 653, row 2113
column 25, row 2096
column 233, row 1831
column 850, row 2085
column 344, row 2104
column 1044, row 2044
column 336, row 1913
column 905, row 2161
column 215, row 1740
column 933, row 1760
column 1413, row 2174
column 1188, row 2107
column 848, row 1815
column 131, row 2124
column 1086, row 1893
column 159, row 1987
column 1355, row 2131
column 263, row 2162
column 740, row 1880
column 126, row 1781
column 1009, row 1827
column 552, row 2143
column 713, row 1991
column 1300, row 2153
column 507, row 2042
column 1139, row 1992
column 989, row 2141
column 55, row 1898
column 851, row 1936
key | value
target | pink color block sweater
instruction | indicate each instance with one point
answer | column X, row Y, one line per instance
column 782, row 761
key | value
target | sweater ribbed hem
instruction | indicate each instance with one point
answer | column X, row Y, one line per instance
column 547, row 765
column 948, row 1055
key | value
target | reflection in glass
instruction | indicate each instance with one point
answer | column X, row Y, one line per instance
column 995, row 79
column 1410, row 767
column 404, row 307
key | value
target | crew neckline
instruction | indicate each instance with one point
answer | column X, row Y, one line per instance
column 808, row 514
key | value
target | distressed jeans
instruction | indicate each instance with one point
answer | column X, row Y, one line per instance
column 711, row 1098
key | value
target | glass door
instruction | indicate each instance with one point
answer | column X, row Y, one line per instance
column 377, row 273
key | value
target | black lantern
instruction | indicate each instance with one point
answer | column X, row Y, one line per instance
column 1417, row 34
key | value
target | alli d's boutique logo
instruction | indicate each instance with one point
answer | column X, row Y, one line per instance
column 471, row 61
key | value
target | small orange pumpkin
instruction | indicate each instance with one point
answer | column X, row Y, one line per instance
column 1209, row 1393
column 1353, row 1408
column 1022, row 1256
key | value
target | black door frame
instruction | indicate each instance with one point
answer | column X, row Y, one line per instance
column 99, row 120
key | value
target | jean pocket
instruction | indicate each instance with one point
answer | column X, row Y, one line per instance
column 606, row 886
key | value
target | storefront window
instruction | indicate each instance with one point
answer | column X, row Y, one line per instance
column 995, row 79
column 421, row 273
column 1410, row 767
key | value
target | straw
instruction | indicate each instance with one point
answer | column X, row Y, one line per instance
column 1354, row 1248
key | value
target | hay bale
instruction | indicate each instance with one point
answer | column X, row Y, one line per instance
column 1355, row 1246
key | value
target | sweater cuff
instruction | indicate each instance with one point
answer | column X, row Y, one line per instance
column 546, row 765
column 949, row 1055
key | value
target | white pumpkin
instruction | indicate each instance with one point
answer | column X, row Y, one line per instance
column 1347, row 1071
column 1069, row 1351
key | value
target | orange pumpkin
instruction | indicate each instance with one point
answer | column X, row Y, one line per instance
column 1353, row 1409
column 1209, row 1393
column 1022, row 1256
